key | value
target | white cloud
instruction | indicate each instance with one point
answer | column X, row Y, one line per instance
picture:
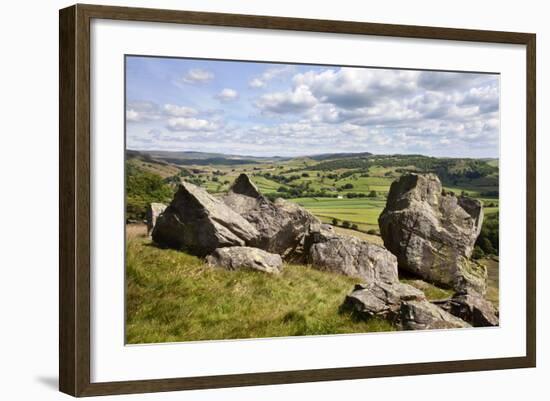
column 268, row 75
column 197, row 75
column 179, row 111
column 297, row 100
column 334, row 109
column 132, row 115
column 227, row 95
column 142, row 111
column 357, row 87
column 256, row 83
column 190, row 124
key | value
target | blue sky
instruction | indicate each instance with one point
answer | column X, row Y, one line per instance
column 265, row 109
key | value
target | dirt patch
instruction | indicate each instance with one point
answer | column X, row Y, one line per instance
column 136, row 231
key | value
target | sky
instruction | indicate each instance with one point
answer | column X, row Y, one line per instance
column 265, row 109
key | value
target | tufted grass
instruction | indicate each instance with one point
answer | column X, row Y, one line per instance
column 432, row 292
column 172, row 296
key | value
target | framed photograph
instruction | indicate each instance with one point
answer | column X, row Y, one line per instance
column 250, row 200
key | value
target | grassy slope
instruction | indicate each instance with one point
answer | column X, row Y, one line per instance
column 172, row 296
column 163, row 170
column 247, row 304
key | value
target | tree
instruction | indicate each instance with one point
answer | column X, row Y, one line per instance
column 486, row 245
column 346, row 224
column 478, row 253
column 372, row 194
column 334, row 221
column 143, row 188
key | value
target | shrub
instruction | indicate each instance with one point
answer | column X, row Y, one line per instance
column 478, row 253
column 346, row 224
column 334, row 222
column 486, row 246
column 143, row 188
column 488, row 239
column 372, row 194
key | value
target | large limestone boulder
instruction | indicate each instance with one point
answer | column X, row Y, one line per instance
column 350, row 256
column 433, row 233
column 380, row 299
column 154, row 210
column 472, row 308
column 242, row 257
column 282, row 225
column 424, row 315
column 200, row 223
column 402, row 304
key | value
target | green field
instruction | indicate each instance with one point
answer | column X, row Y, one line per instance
column 363, row 212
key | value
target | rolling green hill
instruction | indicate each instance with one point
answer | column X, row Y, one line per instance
column 343, row 188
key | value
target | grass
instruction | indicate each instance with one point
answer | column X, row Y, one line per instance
column 172, row 296
column 432, row 292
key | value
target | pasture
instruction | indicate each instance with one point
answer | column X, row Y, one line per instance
column 363, row 211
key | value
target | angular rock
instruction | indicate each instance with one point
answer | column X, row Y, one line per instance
column 244, row 186
column 472, row 308
column 199, row 223
column 351, row 256
column 433, row 233
column 154, row 210
column 423, row 315
column 381, row 299
column 241, row 257
column 243, row 195
column 282, row 225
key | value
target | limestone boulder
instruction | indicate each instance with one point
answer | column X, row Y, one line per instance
column 241, row 257
column 424, row 315
column 199, row 223
column 472, row 308
column 154, row 210
column 380, row 299
column 433, row 233
column 329, row 251
column 282, row 225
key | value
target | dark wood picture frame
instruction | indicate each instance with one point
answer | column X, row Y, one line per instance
column 74, row 203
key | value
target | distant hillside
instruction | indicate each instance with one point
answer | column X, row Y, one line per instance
column 200, row 158
column 207, row 158
column 328, row 156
